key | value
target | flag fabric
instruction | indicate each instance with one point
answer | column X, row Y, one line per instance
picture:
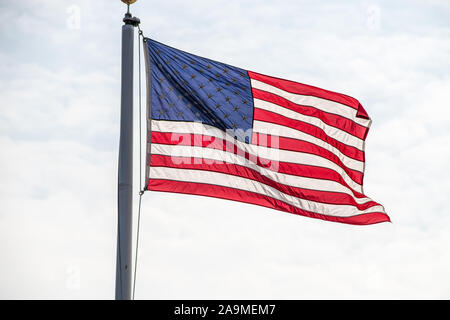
column 220, row 131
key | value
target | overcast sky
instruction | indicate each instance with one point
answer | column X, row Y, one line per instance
column 59, row 132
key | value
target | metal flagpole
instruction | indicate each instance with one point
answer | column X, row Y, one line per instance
column 125, row 181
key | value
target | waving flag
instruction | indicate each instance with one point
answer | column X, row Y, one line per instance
column 221, row 131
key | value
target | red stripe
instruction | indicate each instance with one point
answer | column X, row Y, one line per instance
column 328, row 197
column 255, row 198
column 331, row 119
column 308, row 171
column 290, row 144
column 300, row 88
column 272, row 117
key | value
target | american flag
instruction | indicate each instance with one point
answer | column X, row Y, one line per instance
column 220, row 131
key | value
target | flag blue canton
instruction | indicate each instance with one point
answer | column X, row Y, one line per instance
column 186, row 87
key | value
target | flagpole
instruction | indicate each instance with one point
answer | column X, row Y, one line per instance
column 125, row 170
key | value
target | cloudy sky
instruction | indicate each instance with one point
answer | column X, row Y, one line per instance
column 59, row 122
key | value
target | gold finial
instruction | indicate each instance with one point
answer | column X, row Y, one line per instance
column 128, row 2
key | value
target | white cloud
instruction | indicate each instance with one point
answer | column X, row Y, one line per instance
column 59, row 93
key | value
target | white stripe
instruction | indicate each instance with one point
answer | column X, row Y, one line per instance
column 283, row 131
column 273, row 154
column 319, row 103
column 211, row 155
column 236, row 182
column 336, row 133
